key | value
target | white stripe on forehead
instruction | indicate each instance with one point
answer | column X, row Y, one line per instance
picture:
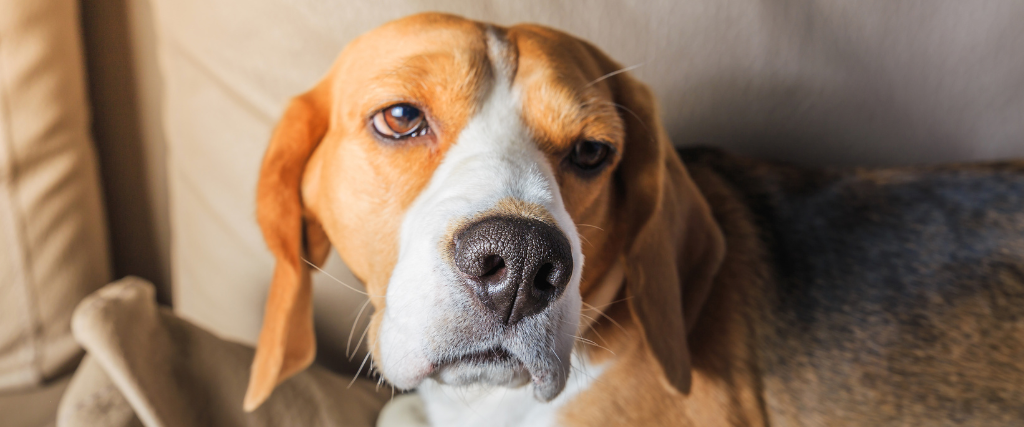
column 495, row 148
column 503, row 55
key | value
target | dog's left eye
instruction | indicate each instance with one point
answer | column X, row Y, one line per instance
column 400, row 121
column 590, row 156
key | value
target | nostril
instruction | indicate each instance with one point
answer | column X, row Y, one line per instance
column 514, row 267
column 542, row 281
column 493, row 266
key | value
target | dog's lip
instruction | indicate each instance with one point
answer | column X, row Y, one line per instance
column 548, row 380
column 496, row 354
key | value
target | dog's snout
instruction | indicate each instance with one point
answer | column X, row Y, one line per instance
column 516, row 266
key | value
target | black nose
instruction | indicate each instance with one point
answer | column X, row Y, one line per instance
column 516, row 266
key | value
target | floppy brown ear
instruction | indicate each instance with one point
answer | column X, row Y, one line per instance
column 286, row 343
column 674, row 246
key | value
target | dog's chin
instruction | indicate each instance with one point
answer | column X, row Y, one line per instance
column 498, row 367
column 494, row 367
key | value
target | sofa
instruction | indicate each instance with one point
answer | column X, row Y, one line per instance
column 131, row 133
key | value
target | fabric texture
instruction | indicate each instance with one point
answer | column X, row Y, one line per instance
column 53, row 248
column 35, row 407
column 148, row 367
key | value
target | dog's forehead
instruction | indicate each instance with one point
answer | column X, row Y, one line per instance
column 563, row 83
column 446, row 61
column 376, row 52
column 432, row 33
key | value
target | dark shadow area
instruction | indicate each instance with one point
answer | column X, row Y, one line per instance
column 118, row 135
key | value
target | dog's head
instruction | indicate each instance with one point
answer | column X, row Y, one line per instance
column 464, row 172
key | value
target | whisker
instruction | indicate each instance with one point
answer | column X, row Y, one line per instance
column 580, row 330
column 610, row 303
column 559, row 359
column 591, row 226
column 598, row 335
column 360, row 342
column 591, row 328
column 585, row 340
column 348, row 345
column 615, row 73
column 591, row 342
column 354, row 377
column 601, row 313
column 354, row 289
column 591, row 323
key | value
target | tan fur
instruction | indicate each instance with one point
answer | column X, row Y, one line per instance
column 286, row 343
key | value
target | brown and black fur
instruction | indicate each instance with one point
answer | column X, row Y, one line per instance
column 867, row 296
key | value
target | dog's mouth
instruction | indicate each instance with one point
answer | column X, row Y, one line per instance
column 495, row 354
column 494, row 366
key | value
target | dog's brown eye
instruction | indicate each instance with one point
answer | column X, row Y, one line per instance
column 590, row 156
column 400, row 121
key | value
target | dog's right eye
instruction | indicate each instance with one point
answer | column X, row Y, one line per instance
column 400, row 121
column 589, row 157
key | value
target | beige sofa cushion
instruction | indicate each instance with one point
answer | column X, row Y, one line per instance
column 147, row 366
column 53, row 248
column 871, row 81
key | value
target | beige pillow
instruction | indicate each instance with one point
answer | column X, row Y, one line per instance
column 871, row 81
column 53, row 248
column 148, row 366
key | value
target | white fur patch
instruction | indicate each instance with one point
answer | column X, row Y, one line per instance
column 427, row 310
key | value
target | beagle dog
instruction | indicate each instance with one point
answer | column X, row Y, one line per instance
column 538, row 253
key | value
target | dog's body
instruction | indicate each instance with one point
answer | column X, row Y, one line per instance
column 872, row 297
column 465, row 172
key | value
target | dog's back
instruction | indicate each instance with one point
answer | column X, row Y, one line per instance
column 898, row 294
